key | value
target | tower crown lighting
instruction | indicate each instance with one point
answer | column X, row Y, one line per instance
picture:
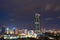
column 37, row 14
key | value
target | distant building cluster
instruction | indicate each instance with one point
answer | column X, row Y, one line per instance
column 37, row 29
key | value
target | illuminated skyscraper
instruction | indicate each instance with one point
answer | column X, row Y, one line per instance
column 37, row 23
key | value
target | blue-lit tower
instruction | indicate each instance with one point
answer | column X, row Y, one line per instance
column 14, row 28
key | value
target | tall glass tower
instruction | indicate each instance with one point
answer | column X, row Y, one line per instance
column 37, row 23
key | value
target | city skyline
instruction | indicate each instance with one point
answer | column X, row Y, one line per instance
column 20, row 13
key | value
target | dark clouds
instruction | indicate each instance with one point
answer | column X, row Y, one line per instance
column 58, row 17
column 49, row 19
column 23, row 6
column 22, row 11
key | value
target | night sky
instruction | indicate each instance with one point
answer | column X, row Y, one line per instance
column 20, row 13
